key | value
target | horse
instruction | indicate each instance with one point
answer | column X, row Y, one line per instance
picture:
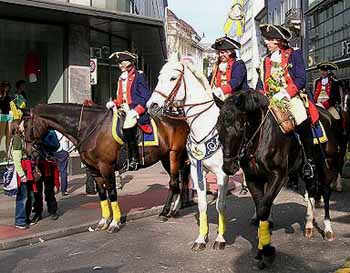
column 89, row 128
column 252, row 140
column 181, row 85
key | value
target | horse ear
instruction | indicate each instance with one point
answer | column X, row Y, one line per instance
column 219, row 103
column 239, row 101
column 174, row 57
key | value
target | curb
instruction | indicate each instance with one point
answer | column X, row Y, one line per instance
column 41, row 237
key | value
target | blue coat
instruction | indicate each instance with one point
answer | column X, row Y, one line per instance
column 296, row 71
column 138, row 94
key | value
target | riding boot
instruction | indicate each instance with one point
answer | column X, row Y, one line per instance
column 309, row 167
column 133, row 150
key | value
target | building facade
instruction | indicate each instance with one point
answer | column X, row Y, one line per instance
column 183, row 38
column 328, row 27
column 49, row 44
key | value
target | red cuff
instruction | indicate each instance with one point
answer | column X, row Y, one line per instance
column 226, row 88
column 292, row 90
column 139, row 109
column 115, row 102
column 326, row 104
column 146, row 128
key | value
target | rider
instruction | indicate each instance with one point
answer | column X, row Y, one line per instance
column 327, row 89
column 290, row 62
column 229, row 74
column 132, row 96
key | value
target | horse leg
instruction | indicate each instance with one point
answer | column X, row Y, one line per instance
column 164, row 215
column 328, row 231
column 222, row 181
column 115, row 225
column 309, row 218
column 106, row 213
column 267, row 252
column 186, row 197
column 201, row 187
column 175, row 162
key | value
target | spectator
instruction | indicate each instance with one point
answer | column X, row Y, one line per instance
column 62, row 156
column 21, row 96
column 49, row 180
column 4, row 112
column 25, row 181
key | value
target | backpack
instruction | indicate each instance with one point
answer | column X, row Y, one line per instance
column 50, row 142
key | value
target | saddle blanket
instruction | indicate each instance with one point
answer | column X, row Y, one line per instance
column 149, row 139
column 318, row 131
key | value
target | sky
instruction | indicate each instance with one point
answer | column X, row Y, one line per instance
column 206, row 16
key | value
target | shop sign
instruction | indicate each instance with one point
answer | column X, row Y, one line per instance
column 93, row 71
column 345, row 48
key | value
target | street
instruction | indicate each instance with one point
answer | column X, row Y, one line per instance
column 146, row 245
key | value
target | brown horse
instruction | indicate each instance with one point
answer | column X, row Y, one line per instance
column 90, row 130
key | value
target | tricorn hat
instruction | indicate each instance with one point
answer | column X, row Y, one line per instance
column 226, row 43
column 124, row 56
column 327, row 66
column 275, row 32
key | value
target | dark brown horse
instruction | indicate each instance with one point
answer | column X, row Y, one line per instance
column 252, row 139
column 90, row 130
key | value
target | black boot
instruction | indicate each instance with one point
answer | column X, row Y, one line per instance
column 133, row 150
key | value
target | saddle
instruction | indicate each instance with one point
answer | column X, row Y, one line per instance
column 148, row 139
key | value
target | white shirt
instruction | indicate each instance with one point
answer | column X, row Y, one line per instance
column 65, row 144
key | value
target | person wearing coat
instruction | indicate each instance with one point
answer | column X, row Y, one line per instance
column 132, row 96
column 229, row 74
column 290, row 65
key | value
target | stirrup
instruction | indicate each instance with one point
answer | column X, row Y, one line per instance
column 131, row 165
column 308, row 170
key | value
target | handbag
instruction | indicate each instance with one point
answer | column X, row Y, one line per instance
column 9, row 177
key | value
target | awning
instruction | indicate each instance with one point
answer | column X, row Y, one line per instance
column 147, row 33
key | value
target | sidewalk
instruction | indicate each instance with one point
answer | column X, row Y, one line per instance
column 143, row 194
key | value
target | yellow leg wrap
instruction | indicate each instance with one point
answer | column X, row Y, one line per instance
column 203, row 224
column 116, row 211
column 222, row 224
column 106, row 213
column 264, row 234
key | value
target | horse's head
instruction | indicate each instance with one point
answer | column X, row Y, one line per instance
column 34, row 127
column 234, row 125
column 170, row 88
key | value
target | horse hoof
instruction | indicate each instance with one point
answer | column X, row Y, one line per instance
column 175, row 214
column 329, row 236
column 163, row 218
column 308, row 233
column 268, row 257
column 198, row 247
column 102, row 227
column 113, row 229
column 219, row 245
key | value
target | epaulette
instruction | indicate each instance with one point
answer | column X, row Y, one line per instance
column 295, row 48
column 334, row 79
column 140, row 71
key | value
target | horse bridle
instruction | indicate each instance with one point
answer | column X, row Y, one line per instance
column 170, row 99
column 246, row 145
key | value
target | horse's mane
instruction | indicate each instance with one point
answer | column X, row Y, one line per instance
column 70, row 107
column 247, row 101
column 199, row 76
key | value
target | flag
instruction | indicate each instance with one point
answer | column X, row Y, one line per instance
column 234, row 25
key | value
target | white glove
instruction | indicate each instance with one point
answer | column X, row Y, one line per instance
column 281, row 95
column 110, row 105
column 23, row 179
column 132, row 114
column 217, row 91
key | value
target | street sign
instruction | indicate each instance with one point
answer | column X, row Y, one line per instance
column 93, row 71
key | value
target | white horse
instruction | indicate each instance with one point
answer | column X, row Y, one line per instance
column 181, row 84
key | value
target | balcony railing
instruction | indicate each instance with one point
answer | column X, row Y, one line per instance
column 150, row 8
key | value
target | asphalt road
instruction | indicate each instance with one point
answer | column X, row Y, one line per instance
column 147, row 245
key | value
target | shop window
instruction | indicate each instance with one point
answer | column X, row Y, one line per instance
column 33, row 53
